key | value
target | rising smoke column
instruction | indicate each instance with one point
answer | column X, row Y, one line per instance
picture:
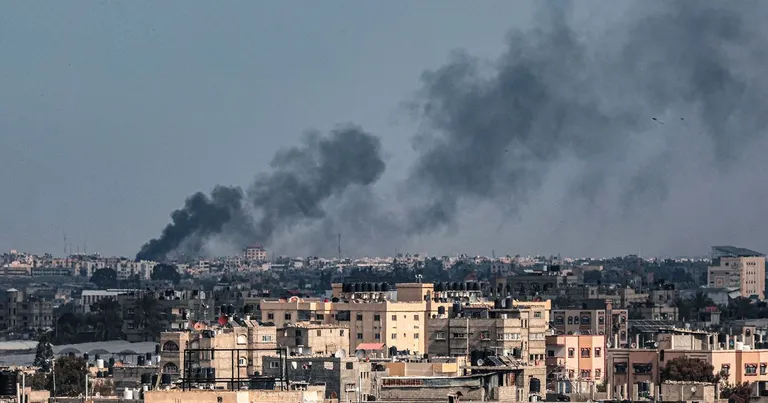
column 301, row 179
column 554, row 95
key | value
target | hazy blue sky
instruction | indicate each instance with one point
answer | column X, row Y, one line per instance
column 111, row 113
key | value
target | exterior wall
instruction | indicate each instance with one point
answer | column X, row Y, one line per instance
column 398, row 324
column 631, row 370
column 206, row 396
column 610, row 322
column 172, row 346
column 523, row 335
column 746, row 273
column 314, row 339
column 688, row 391
column 338, row 374
column 410, row 389
column 577, row 359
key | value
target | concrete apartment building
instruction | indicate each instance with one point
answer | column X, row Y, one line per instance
column 371, row 315
column 179, row 308
column 22, row 312
column 612, row 323
column 345, row 378
column 634, row 373
column 515, row 332
column 232, row 351
column 737, row 267
column 255, row 253
column 89, row 297
column 314, row 339
column 576, row 363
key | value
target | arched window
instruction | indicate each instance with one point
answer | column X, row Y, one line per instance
column 242, row 361
column 242, row 339
column 170, row 346
column 170, row 368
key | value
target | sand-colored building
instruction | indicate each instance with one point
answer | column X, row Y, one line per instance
column 230, row 351
column 737, row 267
column 307, row 338
column 372, row 315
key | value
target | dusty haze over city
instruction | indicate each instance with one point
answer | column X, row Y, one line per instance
column 587, row 128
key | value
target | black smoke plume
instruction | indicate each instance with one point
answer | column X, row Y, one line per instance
column 302, row 178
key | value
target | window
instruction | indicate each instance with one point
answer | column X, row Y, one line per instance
column 270, row 316
column 394, row 317
column 350, row 365
column 320, row 316
column 359, row 336
column 750, row 369
column 725, row 369
column 762, row 368
column 585, row 373
column 585, row 353
column 459, row 335
column 601, row 320
column 585, row 320
column 598, row 373
column 241, row 362
column 394, row 336
column 550, row 353
column 575, row 320
column 415, row 317
column 266, row 338
column 274, row 364
column 319, row 332
column 376, row 317
column 170, row 346
column 416, row 336
column 537, row 314
column 570, row 320
column 359, row 316
column 377, row 336
column 598, row 351
column 559, row 320
column 170, row 368
column 341, row 332
column 485, row 335
column 571, row 352
column 288, row 316
column 242, row 339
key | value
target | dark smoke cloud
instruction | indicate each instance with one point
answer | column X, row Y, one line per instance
column 302, row 178
column 564, row 106
column 495, row 134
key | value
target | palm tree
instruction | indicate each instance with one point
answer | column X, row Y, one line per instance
column 149, row 318
column 700, row 300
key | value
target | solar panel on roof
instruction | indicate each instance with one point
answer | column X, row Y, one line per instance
column 495, row 361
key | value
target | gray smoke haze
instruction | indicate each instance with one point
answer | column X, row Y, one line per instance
column 497, row 133
column 554, row 146
column 301, row 179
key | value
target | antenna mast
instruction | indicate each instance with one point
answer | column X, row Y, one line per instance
column 339, row 246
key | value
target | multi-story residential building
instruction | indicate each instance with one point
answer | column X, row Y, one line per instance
column 544, row 283
column 346, row 379
column 234, row 350
column 179, row 309
column 255, row 252
column 314, row 339
column 737, row 267
column 576, row 363
column 51, row 271
column 518, row 332
column 372, row 313
column 609, row 322
column 634, row 373
column 90, row 297
column 20, row 312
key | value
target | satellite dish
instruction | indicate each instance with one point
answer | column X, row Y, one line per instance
column 608, row 344
column 341, row 353
column 693, row 389
column 360, row 354
column 480, row 362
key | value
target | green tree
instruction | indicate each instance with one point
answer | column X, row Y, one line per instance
column 44, row 353
column 83, row 272
column 739, row 393
column 70, row 376
column 164, row 271
column 69, row 328
column 104, row 278
column 689, row 370
column 148, row 317
column 106, row 320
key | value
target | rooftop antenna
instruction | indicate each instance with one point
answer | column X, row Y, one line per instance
column 339, row 243
column 65, row 244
